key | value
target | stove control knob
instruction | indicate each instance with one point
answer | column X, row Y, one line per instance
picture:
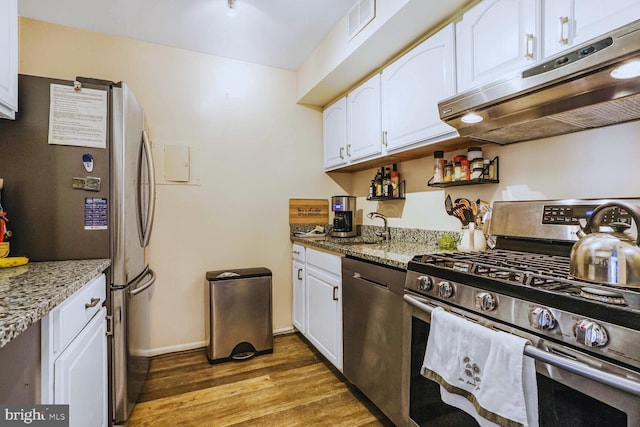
column 445, row 289
column 425, row 283
column 541, row 318
column 485, row 301
column 590, row 333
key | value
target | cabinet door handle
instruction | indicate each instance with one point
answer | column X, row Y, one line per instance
column 299, row 274
column 384, row 138
column 564, row 21
column 348, row 150
column 342, row 153
column 529, row 47
column 335, row 294
column 92, row 303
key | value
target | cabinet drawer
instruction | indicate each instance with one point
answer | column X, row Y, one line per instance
column 328, row 262
column 298, row 252
column 76, row 311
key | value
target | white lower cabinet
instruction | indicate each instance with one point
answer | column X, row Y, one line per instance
column 322, row 302
column 74, row 356
column 299, row 289
column 80, row 374
column 325, row 314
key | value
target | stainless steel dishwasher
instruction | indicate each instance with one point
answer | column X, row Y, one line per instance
column 372, row 332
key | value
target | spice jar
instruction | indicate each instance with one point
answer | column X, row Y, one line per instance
column 448, row 172
column 474, row 153
column 457, row 171
column 477, row 163
column 438, row 166
column 459, row 158
column 477, row 167
column 465, row 172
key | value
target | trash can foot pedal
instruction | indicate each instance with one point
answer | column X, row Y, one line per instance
column 244, row 356
column 243, row 351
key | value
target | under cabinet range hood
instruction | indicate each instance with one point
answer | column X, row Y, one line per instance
column 578, row 89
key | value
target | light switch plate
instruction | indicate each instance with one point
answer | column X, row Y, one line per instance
column 92, row 183
column 78, row 183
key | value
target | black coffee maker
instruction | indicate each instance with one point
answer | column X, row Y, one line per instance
column 344, row 208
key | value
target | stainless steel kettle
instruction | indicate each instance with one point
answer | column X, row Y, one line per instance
column 608, row 257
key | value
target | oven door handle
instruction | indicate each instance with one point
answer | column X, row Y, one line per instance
column 578, row 368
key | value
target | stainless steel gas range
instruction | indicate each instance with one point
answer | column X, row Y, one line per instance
column 585, row 337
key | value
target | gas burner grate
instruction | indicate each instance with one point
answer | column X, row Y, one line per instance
column 603, row 296
column 499, row 272
column 548, row 273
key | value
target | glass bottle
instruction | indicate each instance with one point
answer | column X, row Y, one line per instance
column 438, row 166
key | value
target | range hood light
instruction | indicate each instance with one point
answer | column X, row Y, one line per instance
column 232, row 8
column 627, row 71
column 471, row 118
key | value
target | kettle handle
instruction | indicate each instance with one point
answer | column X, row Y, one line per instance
column 593, row 224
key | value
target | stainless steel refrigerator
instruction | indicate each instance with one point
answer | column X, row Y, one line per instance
column 87, row 201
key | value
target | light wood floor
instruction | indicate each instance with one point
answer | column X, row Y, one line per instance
column 293, row 386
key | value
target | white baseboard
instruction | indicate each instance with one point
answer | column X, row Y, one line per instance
column 175, row 348
column 283, row 331
column 199, row 344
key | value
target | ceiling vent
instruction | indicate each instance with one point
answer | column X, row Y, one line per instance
column 360, row 15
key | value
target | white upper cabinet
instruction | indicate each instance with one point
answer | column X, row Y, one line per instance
column 411, row 89
column 364, row 130
column 8, row 58
column 335, row 134
column 571, row 22
column 495, row 38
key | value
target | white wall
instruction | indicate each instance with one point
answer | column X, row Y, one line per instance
column 254, row 149
column 597, row 163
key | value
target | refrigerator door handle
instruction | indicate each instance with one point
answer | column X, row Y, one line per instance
column 145, row 228
column 138, row 290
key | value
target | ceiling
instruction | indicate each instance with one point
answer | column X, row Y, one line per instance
column 276, row 33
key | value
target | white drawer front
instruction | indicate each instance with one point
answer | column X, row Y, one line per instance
column 326, row 261
column 298, row 252
column 76, row 311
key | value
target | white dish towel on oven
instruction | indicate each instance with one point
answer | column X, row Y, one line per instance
column 481, row 371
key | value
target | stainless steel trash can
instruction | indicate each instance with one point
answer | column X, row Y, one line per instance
column 240, row 320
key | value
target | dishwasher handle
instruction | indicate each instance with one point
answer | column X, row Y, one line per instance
column 358, row 276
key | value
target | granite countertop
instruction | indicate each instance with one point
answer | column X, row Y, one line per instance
column 29, row 292
column 395, row 253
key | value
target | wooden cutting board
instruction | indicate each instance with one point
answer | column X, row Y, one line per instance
column 308, row 211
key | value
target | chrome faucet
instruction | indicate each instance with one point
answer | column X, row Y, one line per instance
column 386, row 235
